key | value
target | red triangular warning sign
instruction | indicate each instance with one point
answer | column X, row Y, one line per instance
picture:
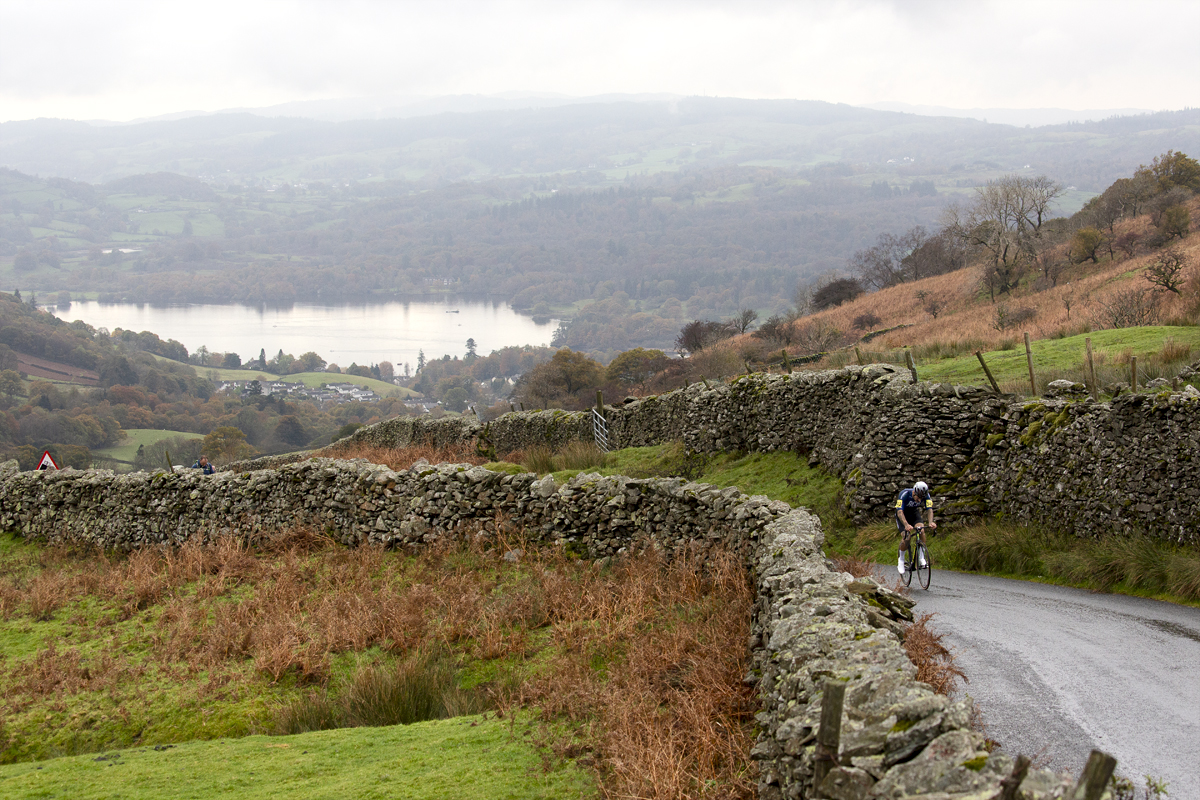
column 47, row 461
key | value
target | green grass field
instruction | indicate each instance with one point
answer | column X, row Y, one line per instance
column 453, row 758
column 312, row 379
column 1053, row 358
column 136, row 437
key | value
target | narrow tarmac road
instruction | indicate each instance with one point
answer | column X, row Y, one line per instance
column 1057, row 672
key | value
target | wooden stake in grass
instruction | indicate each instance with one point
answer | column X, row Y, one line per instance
column 1095, row 776
column 991, row 378
column 829, row 733
column 858, row 355
column 787, row 364
column 1133, row 373
column 1095, row 390
column 1029, row 361
column 912, row 367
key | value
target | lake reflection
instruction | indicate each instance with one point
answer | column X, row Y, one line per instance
column 341, row 334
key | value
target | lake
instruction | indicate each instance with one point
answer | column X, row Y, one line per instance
column 363, row 333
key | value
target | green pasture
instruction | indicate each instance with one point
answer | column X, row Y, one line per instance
column 461, row 757
column 1060, row 357
column 136, row 437
column 311, row 379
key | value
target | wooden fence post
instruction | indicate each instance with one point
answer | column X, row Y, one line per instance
column 858, row 355
column 1029, row 361
column 170, row 466
column 829, row 733
column 1095, row 776
column 1133, row 373
column 787, row 364
column 912, row 367
column 991, row 378
column 600, row 401
column 1009, row 786
column 1092, row 371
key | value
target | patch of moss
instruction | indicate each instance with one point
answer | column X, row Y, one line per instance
column 505, row 467
column 993, row 440
column 903, row 725
column 975, row 764
column 1031, row 433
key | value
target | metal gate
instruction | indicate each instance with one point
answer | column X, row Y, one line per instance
column 600, row 430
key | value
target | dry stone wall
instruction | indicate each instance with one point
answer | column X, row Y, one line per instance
column 1092, row 468
column 359, row 502
column 899, row 739
column 811, row 622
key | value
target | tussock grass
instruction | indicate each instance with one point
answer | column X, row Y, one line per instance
column 422, row 687
column 404, row 457
column 572, row 456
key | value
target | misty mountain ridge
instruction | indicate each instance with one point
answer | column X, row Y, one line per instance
column 591, row 144
column 399, row 106
column 1020, row 117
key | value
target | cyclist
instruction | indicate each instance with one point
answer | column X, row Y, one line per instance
column 908, row 513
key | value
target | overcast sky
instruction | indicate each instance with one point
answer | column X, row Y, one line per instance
column 107, row 59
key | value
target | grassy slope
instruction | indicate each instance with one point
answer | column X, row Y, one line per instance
column 141, row 436
column 460, row 757
column 1065, row 355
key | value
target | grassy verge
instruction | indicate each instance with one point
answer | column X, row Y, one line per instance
column 466, row 756
column 1128, row 565
column 1133, row 565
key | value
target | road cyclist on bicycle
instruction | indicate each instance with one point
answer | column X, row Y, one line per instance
column 909, row 506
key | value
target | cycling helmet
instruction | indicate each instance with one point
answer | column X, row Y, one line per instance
column 921, row 489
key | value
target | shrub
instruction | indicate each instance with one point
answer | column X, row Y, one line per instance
column 865, row 322
column 1006, row 317
column 836, row 292
column 1086, row 244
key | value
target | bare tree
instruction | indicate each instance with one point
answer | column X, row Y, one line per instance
column 1068, row 300
column 743, row 319
column 1005, row 221
column 1167, row 271
column 1130, row 308
column 818, row 337
column 883, row 264
column 776, row 330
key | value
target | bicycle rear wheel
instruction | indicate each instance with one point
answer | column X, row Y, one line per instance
column 924, row 566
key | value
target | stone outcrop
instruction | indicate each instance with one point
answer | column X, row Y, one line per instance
column 1126, row 465
column 811, row 622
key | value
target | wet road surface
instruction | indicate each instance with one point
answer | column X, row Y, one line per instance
column 1060, row 671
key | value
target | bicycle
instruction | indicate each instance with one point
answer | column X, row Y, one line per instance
column 917, row 559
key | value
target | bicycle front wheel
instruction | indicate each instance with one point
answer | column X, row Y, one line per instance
column 909, row 566
column 924, row 566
